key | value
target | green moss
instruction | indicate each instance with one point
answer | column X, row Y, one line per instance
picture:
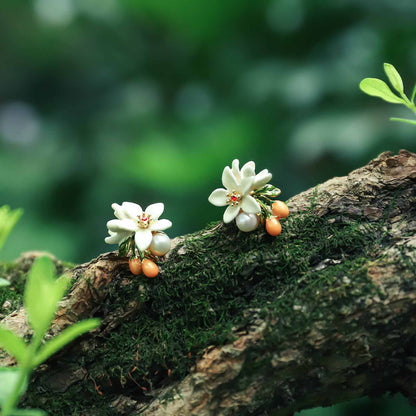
column 199, row 298
column 13, row 293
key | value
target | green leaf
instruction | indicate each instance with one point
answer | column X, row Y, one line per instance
column 42, row 294
column 64, row 338
column 8, row 379
column 4, row 282
column 394, row 77
column 378, row 88
column 403, row 120
column 8, row 220
column 413, row 94
column 11, row 343
column 28, row 412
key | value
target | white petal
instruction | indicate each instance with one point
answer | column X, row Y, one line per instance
column 230, row 213
column 245, row 185
column 117, row 238
column 122, row 225
column 248, row 169
column 160, row 225
column 155, row 210
column 250, row 205
column 228, row 179
column 143, row 238
column 218, row 197
column 131, row 210
column 261, row 179
column 118, row 211
column 235, row 168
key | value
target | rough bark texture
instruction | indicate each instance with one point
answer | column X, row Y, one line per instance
column 322, row 314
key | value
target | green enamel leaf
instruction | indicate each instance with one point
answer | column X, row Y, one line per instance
column 14, row 345
column 394, row 77
column 42, row 294
column 64, row 338
column 378, row 88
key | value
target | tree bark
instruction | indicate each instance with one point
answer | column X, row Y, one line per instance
column 323, row 314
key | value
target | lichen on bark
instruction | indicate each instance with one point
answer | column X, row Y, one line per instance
column 248, row 324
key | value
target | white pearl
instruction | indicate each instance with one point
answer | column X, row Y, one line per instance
column 160, row 244
column 247, row 222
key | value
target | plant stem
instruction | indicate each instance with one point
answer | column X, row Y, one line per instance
column 25, row 372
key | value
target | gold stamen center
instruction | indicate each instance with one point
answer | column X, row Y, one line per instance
column 144, row 220
column 234, row 198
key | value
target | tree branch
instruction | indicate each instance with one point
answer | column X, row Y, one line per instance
column 242, row 324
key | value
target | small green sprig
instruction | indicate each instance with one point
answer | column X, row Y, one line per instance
column 378, row 88
column 41, row 296
column 265, row 196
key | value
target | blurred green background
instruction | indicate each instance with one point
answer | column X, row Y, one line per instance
column 107, row 101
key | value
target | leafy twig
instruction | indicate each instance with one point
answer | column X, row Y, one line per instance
column 378, row 88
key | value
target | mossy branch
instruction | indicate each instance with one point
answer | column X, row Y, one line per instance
column 240, row 324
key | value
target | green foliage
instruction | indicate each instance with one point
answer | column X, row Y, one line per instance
column 64, row 338
column 378, row 88
column 14, row 345
column 8, row 219
column 41, row 296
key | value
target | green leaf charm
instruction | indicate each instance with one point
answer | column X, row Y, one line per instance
column 378, row 88
column 394, row 77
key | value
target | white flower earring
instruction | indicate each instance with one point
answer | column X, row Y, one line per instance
column 249, row 198
column 140, row 236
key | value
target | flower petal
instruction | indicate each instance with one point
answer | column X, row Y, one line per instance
column 230, row 213
column 117, row 238
column 249, row 169
column 235, row 168
column 250, row 205
column 143, row 238
column 131, row 210
column 160, row 225
column 122, row 225
column 155, row 210
column 228, row 179
column 261, row 179
column 245, row 185
column 118, row 211
column 218, row 197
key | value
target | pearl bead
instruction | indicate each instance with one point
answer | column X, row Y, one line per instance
column 160, row 244
column 247, row 222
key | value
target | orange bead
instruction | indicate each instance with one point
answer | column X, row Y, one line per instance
column 280, row 209
column 135, row 266
column 273, row 226
column 150, row 268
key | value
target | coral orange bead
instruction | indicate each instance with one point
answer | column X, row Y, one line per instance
column 280, row 209
column 135, row 266
column 273, row 226
column 150, row 268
